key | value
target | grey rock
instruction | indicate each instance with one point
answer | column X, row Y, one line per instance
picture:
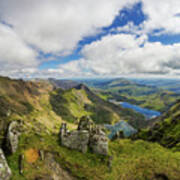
column 12, row 138
column 41, row 153
column 85, row 123
column 56, row 171
column 21, row 168
column 87, row 135
column 99, row 144
column 76, row 140
column 5, row 172
column 8, row 113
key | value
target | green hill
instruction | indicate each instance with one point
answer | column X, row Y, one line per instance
column 167, row 130
column 146, row 96
column 79, row 101
column 42, row 109
column 41, row 102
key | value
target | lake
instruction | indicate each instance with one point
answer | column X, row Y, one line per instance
column 148, row 113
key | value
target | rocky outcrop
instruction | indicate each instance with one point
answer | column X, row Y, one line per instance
column 98, row 141
column 76, row 140
column 12, row 138
column 56, row 171
column 87, row 135
column 86, row 123
column 5, row 172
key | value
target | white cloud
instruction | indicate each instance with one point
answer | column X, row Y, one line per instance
column 123, row 54
column 56, row 26
column 14, row 53
column 162, row 14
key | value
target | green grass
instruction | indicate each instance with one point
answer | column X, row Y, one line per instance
column 132, row 160
column 143, row 160
column 68, row 104
column 167, row 129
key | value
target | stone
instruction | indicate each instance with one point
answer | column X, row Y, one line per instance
column 21, row 158
column 8, row 113
column 41, row 154
column 5, row 172
column 56, row 172
column 99, row 144
column 76, row 140
column 87, row 135
column 85, row 123
column 63, row 130
column 12, row 138
column 98, row 141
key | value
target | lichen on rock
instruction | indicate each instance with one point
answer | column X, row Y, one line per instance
column 5, row 172
column 12, row 137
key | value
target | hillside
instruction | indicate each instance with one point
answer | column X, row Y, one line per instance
column 40, row 102
column 167, row 130
column 130, row 161
column 40, row 155
column 63, row 84
column 76, row 102
column 168, row 84
column 144, row 95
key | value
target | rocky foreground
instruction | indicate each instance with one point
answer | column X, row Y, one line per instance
column 87, row 136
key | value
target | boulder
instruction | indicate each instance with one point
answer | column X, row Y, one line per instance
column 12, row 138
column 76, row 140
column 99, row 143
column 85, row 123
column 5, row 172
column 87, row 135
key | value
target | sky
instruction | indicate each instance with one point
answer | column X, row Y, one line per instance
column 89, row 38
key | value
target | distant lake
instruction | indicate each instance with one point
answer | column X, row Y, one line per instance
column 148, row 113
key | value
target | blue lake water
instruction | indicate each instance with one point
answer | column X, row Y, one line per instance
column 127, row 129
column 148, row 113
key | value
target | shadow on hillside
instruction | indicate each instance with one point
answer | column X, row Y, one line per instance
column 59, row 106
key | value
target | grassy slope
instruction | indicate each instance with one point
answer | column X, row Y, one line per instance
column 29, row 102
column 74, row 103
column 131, row 160
column 167, row 130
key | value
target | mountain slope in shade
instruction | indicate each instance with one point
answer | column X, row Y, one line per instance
column 63, row 84
column 74, row 103
column 167, row 130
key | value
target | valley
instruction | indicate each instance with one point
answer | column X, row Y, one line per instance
column 89, row 90
column 139, row 92
column 138, row 148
